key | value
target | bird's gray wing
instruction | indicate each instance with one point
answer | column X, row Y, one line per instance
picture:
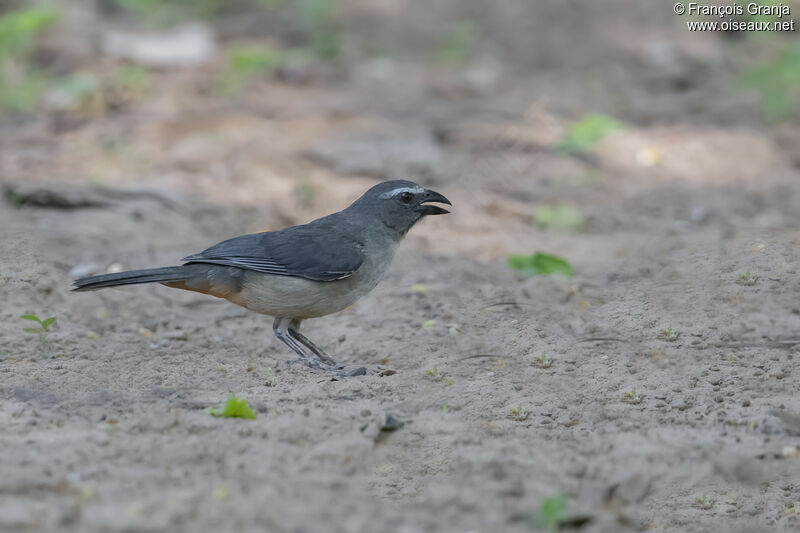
column 318, row 251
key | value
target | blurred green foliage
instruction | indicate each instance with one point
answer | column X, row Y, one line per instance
column 540, row 264
column 455, row 47
column 317, row 16
column 561, row 217
column 77, row 86
column 778, row 82
column 582, row 136
column 550, row 514
column 247, row 63
column 253, row 59
column 305, row 193
column 166, row 12
column 20, row 83
column 132, row 78
column 769, row 63
column 18, row 29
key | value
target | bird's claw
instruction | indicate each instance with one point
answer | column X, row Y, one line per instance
column 341, row 372
column 335, row 369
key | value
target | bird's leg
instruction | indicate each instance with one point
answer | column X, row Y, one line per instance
column 281, row 328
column 286, row 330
column 332, row 366
column 294, row 331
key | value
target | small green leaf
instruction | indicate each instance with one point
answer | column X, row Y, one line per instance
column 551, row 264
column 34, row 318
column 234, row 408
column 48, row 321
column 550, row 514
column 419, row 288
column 582, row 136
column 519, row 261
column 31, row 330
column 540, row 264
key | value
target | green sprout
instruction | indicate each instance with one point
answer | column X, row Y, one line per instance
column 747, row 279
column 550, row 514
column 270, row 379
column 669, row 334
column 234, row 408
column 582, row 136
column 791, row 509
column 542, row 361
column 434, row 374
column 518, row 413
column 498, row 364
column 632, row 397
column 540, row 264
column 704, row 502
column 44, row 325
column 419, row 288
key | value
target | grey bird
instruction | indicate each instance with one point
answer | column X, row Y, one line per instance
column 301, row 272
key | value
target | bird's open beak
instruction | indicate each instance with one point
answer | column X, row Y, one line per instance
column 433, row 196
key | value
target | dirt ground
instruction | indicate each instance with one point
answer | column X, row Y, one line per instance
column 657, row 389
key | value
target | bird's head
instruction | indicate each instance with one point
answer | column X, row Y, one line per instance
column 399, row 204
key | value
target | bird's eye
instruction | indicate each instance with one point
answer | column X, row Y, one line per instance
column 406, row 197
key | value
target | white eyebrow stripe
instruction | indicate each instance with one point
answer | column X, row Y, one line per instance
column 400, row 190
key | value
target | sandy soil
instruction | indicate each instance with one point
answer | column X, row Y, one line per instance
column 656, row 389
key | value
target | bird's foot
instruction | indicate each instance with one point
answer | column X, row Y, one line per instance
column 335, row 369
column 341, row 371
column 351, row 372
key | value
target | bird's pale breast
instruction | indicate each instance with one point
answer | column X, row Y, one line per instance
column 297, row 297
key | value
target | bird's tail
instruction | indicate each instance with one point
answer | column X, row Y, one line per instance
column 131, row 277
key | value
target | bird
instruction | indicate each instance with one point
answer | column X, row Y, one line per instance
column 300, row 272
